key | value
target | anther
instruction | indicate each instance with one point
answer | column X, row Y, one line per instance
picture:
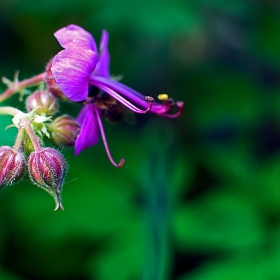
column 163, row 96
column 149, row 99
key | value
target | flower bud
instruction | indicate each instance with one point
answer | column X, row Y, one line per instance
column 51, row 83
column 12, row 166
column 47, row 169
column 43, row 102
column 64, row 130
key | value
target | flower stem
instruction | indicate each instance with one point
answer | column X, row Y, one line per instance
column 7, row 110
column 16, row 86
column 157, row 192
column 19, row 139
column 32, row 136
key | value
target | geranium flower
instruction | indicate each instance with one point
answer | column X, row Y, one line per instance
column 80, row 66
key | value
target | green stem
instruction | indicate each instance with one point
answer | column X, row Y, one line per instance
column 19, row 139
column 32, row 136
column 7, row 110
column 17, row 86
column 158, row 201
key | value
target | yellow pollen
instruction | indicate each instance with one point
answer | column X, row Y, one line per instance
column 163, row 96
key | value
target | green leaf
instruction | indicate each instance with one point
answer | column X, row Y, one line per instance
column 218, row 222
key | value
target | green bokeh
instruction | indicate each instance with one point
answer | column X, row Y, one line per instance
column 199, row 196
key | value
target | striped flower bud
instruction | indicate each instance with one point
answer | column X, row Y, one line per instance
column 47, row 169
column 64, row 130
column 12, row 166
column 43, row 102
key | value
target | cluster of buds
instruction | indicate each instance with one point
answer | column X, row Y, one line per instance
column 79, row 73
column 62, row 130
column 45, row 166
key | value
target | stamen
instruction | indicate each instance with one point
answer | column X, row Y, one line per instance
column 122, row 161
column 130, row 94
column 150, row 100
column 180, row 105
column 125, row 102
column 163, row 96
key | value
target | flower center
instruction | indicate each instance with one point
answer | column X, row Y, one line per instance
column 108, row 106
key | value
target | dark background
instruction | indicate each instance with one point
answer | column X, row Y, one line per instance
column 199, row 196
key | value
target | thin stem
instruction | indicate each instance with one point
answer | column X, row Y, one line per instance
column 122, row 161
column 19, row 139
column 158, row 196
column 32, row 136
column 16, row 86
column 7, row 110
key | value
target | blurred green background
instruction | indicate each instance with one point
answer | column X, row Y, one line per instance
column 199, row 196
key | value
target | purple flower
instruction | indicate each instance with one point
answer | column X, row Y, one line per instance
column 78, row 67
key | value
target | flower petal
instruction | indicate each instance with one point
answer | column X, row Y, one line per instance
column 89, row 134
column 74, row 35
column 71, row 70
column 102, row 67
column 80, row 118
